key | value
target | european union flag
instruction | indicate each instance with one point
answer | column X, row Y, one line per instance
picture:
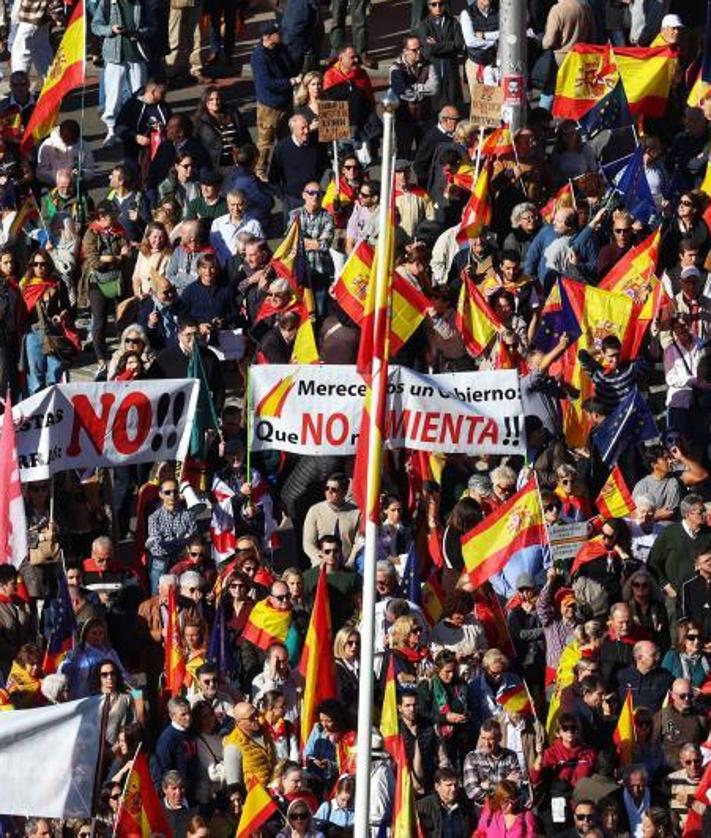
column 614, row 167
column 220, row 651
column 558, row 317
column 612, row 111
column 411, row 584
column 629, row 424
column 637, row 196
column 63, row 627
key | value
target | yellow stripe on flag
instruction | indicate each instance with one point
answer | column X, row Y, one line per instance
column 258, row 807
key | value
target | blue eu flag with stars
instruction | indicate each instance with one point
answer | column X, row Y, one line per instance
column 612, row 111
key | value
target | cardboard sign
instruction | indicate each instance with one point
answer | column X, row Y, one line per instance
column 486, row 105
column 567, row 539
column 334, row 121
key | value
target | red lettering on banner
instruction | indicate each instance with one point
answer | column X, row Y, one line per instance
column 490, row 432
column 334, row 436
column 417, row 417
column 451, row 428
column 94, row 426
column 308, row 428
column 119, row 430
column 473, row 422
column 397, row 425
column 429, row 429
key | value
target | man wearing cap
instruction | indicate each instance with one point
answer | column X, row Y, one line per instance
column 527, row 633
column 226, row 228
column 274, row 79
column 412, row 202
column 209, row 204
column 694, row 302
column 647, row 17
column 556, row 611
column 670, row 32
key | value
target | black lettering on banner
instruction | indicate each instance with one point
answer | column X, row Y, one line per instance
column 264, row 430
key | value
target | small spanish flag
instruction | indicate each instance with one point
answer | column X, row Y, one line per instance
column 351, row 287
column 140, row 812
column 174, row 656
column 623, row 735
column 563, row 198
column 405, row 821
column 408, row 307
column 265, row 625
column 475, row 318
column 498, row 143
column 257, row 809
column 515, row 700
column 477, row 212
column 304, row 350
column 389, row 724
column 433, row 597
column 615, row 500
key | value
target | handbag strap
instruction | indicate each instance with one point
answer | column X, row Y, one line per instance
column 683, row 358
column 207, row 745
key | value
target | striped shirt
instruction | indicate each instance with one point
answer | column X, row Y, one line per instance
column 611, row 388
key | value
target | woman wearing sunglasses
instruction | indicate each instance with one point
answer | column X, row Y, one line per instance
column 300, row 822
column 688, row 659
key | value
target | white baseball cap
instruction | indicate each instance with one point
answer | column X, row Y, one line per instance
column 672, row 22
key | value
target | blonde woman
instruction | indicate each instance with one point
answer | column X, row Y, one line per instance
column 152, row 261
column 408, row 650
column 307, row 98
column 346, row 651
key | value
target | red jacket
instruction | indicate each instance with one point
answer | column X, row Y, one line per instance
column 561, row 763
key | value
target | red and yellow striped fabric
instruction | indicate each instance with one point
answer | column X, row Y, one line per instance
column 266, row 625
column 615, row 500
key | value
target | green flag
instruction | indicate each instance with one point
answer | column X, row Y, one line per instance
column 205, row 413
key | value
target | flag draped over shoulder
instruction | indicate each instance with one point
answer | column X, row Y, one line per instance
column 317, row 665
column 405, row 822
column 589, row 72
column 66, row 72
column 174, row 655
column 615, row 500
column 141, row 813
column 623, row 735
column 13, row 521
column 258, row 807
column 516, row 524
column 266, row 625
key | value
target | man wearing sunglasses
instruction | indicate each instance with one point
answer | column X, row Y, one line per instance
column 585, row 820
column 678, row 723
column 170, row 528
column 343, row 583
column 333, row 515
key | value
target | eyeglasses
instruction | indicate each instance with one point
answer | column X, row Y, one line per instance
column 694, row 761
column 693, row 637
column 170, row 492
column 196, row 554
column 116, row 796
column 642, row 586
column 109, row 674
column 569, row 728
column 237, row 585
column 683, row 696
column 685, row 202
column 584, row 817
column 134, row 340
column 566, row 480
column 193, row 589
column 299, row 816
column 435, row 5
column 333, row 488
column 352, row 642
column 350, row 166
column 312, row 192
column 622, row 230
column 281, row 597
column 208, row 681
column 250, row 718
column 365, row 194
column 40, row 265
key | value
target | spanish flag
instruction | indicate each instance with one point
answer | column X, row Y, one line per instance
column 515, row 525
column 589, row 72
column 477, row 212
column 11, row 125
column 699, row 91
column 405, row 822
column 408, row 308
column 351, row 287
column 623, row 735
column 564, row 197
column 67, row 71
column 475, row 318
column 498, row 143
column 463, row 177
column 632, row 275
column 27, row 212
column 615, row 500
column 389, row 723
column 141, row 812
column 515, row 700
column 289, row 263
column 317, row 665
column 257, row 809
column 305, row 350
column 433, row 597
column 265, row 625
column 174, row 655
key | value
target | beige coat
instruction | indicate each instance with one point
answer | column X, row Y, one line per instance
column 569, row 23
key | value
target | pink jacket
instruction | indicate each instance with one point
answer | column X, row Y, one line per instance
column 493, row 826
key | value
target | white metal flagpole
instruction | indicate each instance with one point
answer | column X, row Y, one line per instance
column 367, row 631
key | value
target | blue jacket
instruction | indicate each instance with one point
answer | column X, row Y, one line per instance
column 175, row 751
column 107, row 15
column 205, row 304
column 271, row 71
column 535, row 264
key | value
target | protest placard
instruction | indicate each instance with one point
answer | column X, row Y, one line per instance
column 334, row 121
column 94, row 425
column 309, row 409
column 486, row 102
column 567, row 539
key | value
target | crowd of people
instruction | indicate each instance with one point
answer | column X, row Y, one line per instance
column 178, row 251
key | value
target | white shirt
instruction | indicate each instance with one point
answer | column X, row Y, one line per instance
column 224, row 232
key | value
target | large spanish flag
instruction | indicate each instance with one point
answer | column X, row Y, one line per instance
column 351, row 287
column 615, row 500
column 257, row 809
column 317, row 665
column 590, row 71
column 516, row 524
column 623, row 735
column 174, row 656
column 67, row 71
column 408, row 308
column 632, row 275
column 141, row 813
column 265, row 625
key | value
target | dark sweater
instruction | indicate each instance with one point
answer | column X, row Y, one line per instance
column 172, row 362
column 671, row 558
column 176, row 751
column 648, row 690
column 271, row 71
column 292, row 166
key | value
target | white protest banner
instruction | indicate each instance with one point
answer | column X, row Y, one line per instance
column 49, row 758
column 309, row 409
column 92, row 425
